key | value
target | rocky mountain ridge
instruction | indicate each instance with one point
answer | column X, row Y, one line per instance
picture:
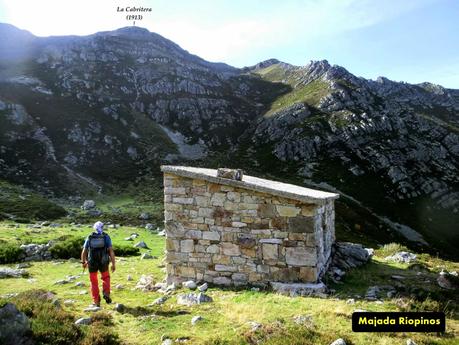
column 77, row 113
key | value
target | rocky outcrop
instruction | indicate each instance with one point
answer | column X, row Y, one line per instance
column 345, row 256
column 14, row 326
column 6, row 272
column 36, row 252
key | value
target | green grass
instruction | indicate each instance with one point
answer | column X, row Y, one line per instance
column 310, row 94
column 226, row 319
column 125, row 208
column 274, row 73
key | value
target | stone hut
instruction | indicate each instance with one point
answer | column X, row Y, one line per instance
column 244, row 230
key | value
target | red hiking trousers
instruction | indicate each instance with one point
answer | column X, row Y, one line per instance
column 95, row 285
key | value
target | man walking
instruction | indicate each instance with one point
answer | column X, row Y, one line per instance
column 96, row 255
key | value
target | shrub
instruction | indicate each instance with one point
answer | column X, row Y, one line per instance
column 126, row 250
column 50, row 325
column 10, row 253
column 68, row 248
column 54, row 326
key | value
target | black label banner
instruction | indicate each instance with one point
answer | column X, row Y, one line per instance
column 398, row 322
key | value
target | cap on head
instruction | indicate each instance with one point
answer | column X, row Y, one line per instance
column 99, row 227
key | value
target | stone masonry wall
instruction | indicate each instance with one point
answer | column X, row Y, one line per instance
column 233, row 236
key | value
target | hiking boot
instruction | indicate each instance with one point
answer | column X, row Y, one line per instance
column 96, row 304
column 107, row 299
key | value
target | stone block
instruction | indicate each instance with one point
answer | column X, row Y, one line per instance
column 301, row 256
column 202, row 201
column 278, row 223
column 198, row 191
column 287, row 211
column 183, row 201
column 233, row 196
column 301, row 224
column 209, row 221
column 197, row 182
column 222, row 281
column 213, row 249
column 297, row 236
column 248, row 213
column 262, row 268
column 310, row 240
column 175, row 190
column 193, row 234
column 175, row 257
column 172, row 245
column 308, row 274
column 239, row 277
column 308, row 210
column 280, row 234
column 237, row 260
column 286, row 274
column 230, row 248
column 206, row 212
column 225, row 268
column 214, row 188
column 197, row 220
column 238, row 224
column 250, row 199
column 271, row 240
column 200, row 248
column 211, row 235
column 246, row 242
column 252, row 253
column 218, row 199
column 174, row 229
column 203, row 227
column 225, row 188
column 187, row 246
column 246, row 206
column 173, row 207
column 185, row 271
column 221, row 259
column 270, row 251
column 170, row 216
column 230, row 206
column 266, row 210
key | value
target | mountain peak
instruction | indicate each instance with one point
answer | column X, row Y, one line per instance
column 133, row 30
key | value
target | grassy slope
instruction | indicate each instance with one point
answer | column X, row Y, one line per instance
column 225, row 320
column 23, row 204
column 310, row 93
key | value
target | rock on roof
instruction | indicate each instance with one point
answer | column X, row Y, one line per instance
column 285, row 190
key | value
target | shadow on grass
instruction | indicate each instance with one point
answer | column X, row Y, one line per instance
column 144, row 311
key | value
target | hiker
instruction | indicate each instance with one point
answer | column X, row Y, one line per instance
column 96, row 254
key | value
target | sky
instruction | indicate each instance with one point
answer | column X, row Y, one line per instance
column 404, row 40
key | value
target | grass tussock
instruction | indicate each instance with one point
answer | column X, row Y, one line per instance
column 390, row 249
